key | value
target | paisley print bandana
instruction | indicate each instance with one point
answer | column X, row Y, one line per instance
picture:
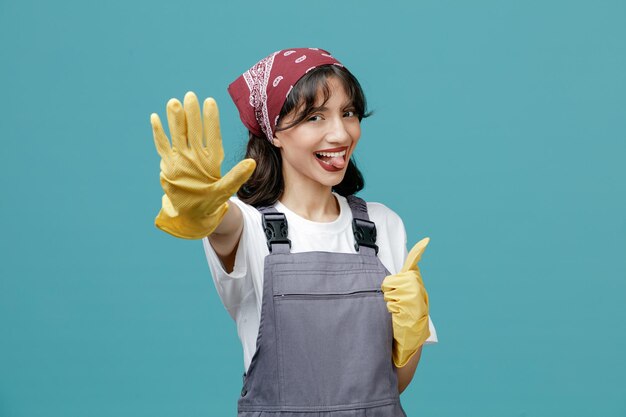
column 260, row 92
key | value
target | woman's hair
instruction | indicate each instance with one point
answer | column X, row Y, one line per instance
column 266, row 184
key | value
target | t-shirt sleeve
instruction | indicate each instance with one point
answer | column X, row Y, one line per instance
column 233, row 287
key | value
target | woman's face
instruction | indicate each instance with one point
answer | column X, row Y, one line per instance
column 318, row 149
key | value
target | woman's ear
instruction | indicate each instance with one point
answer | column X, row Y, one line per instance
column 276, row 142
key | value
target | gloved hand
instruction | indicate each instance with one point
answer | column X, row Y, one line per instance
column 195, row 199
column 407, row 301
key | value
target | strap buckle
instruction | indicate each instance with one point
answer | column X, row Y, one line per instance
column 275, row 225
column 364, row 234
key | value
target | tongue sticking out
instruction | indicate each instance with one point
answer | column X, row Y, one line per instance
column 336, row 161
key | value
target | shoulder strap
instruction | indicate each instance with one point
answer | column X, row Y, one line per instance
column 276, row 230
column 364, row 230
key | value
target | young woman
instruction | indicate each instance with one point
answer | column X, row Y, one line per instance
column 331, row 311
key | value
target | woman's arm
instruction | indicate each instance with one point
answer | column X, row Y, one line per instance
column 405, row 374
column 225, row 238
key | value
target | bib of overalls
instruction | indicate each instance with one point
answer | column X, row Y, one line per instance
column 324, row 346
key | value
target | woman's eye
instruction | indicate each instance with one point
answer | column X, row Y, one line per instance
column 315, row 118
column 349, row 113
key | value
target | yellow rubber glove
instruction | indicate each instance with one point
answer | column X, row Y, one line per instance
column 195, row 199
column 407, row 301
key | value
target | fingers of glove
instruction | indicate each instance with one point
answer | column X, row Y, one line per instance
column 399, row 283
column 237, row 176
column 404, row 288
column 178, row 124
column 397, row 288
column 194, row 121
column 161, row 142
column 393, row 308
column 213, row 136
column 415, row 255
column 388, row 286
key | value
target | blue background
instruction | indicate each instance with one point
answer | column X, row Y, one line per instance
column 500, row 132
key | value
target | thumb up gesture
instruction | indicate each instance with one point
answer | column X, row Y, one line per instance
column 407, row 301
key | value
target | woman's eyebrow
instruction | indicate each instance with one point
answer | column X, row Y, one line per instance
column 321, row 108
column 324, row 108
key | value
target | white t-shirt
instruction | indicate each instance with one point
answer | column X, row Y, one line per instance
column 241, row 291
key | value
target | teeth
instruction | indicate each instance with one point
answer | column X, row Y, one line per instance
column 332, row 154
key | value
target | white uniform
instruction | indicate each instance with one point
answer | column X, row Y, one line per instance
column 241, row 291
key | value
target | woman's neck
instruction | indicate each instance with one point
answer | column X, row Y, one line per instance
column 314, row 203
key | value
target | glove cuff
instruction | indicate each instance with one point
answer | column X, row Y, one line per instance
column 187, row 227
column 402, row 352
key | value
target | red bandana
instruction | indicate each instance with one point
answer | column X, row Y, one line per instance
column 260, row 92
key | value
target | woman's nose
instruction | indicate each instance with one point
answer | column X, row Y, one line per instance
column 338, row 131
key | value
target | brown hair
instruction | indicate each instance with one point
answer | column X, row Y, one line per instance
column 266, row 184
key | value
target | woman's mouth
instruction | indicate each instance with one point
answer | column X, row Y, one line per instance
column 332, row 160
